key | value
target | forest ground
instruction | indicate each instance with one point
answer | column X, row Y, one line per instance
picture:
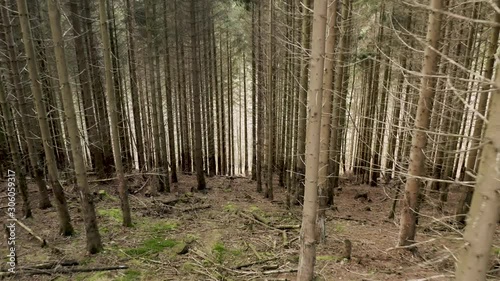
column 213, row 235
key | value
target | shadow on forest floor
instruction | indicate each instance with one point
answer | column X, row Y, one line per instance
column 232, row 233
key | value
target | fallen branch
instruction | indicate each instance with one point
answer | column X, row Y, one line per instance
column 254, row 263
column 50, row 265
column 350, row 219
column 279, row 271
column 42, row 241
column 142, row 187
column 35, row 271
column 291, row 226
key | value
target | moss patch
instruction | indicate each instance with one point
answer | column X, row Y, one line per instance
column 113, row 214
column 151, row 246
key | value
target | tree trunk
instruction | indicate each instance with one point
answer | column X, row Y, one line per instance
column 94, row 244
column 35, row 164
column 471, row 166
column 112, row 110
column 133, row 86
column 419, row 141
column 485, row 208
column 308, row 237
column 198, row 152
column 65, row 227
column 328, row 93
column 19, row 175
column 302, row 114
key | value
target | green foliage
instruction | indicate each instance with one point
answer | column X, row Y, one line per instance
column 151, row 246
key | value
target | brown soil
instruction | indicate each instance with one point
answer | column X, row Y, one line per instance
column 221, row 232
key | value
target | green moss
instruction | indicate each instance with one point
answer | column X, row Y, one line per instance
column 163, row 226
column 130, row 275
column 339, row 228
column 219, row 250
column 230, row 208
column 151, row 246
column 112, row 214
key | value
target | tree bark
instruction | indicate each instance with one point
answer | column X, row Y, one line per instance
column 308, row 238
column 65, row 226
column 419, row 141
column 94, row 244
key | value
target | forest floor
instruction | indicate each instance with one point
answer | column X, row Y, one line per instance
column 233, row 233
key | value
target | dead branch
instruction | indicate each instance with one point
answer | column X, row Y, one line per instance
column 291, row 226
column 42, row 241
column 280, row 271
column 35, row 271
column 254, row 263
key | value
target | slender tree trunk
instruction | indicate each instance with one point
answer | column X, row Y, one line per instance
column 471, row 164
column 304, row 84
column 122, row 183
column 419, row 141
column 307, row 253
column 484, row 212
column 169, row 96
column 65, row 228
column 198, row 152
column 133, row 86
column 14, row 149
column 328, row 93
column 43, row 201
column 270, row 108
column 94, row 244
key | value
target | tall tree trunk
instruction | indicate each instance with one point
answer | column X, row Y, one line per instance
column 169, row 96
column 133, row 85
column 122, row 183
column 270, row 107
column 471, row 164
column 328, row 93
column 65, row 226
column 304, row 82
column 484, row 212
column 43, row 201
column 419, row 141
column 94, row 244
column 99, row 99
column 198, row 152
column 19, row 174
column 307, row 253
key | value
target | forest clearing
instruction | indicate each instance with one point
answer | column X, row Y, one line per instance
column 250, row 140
